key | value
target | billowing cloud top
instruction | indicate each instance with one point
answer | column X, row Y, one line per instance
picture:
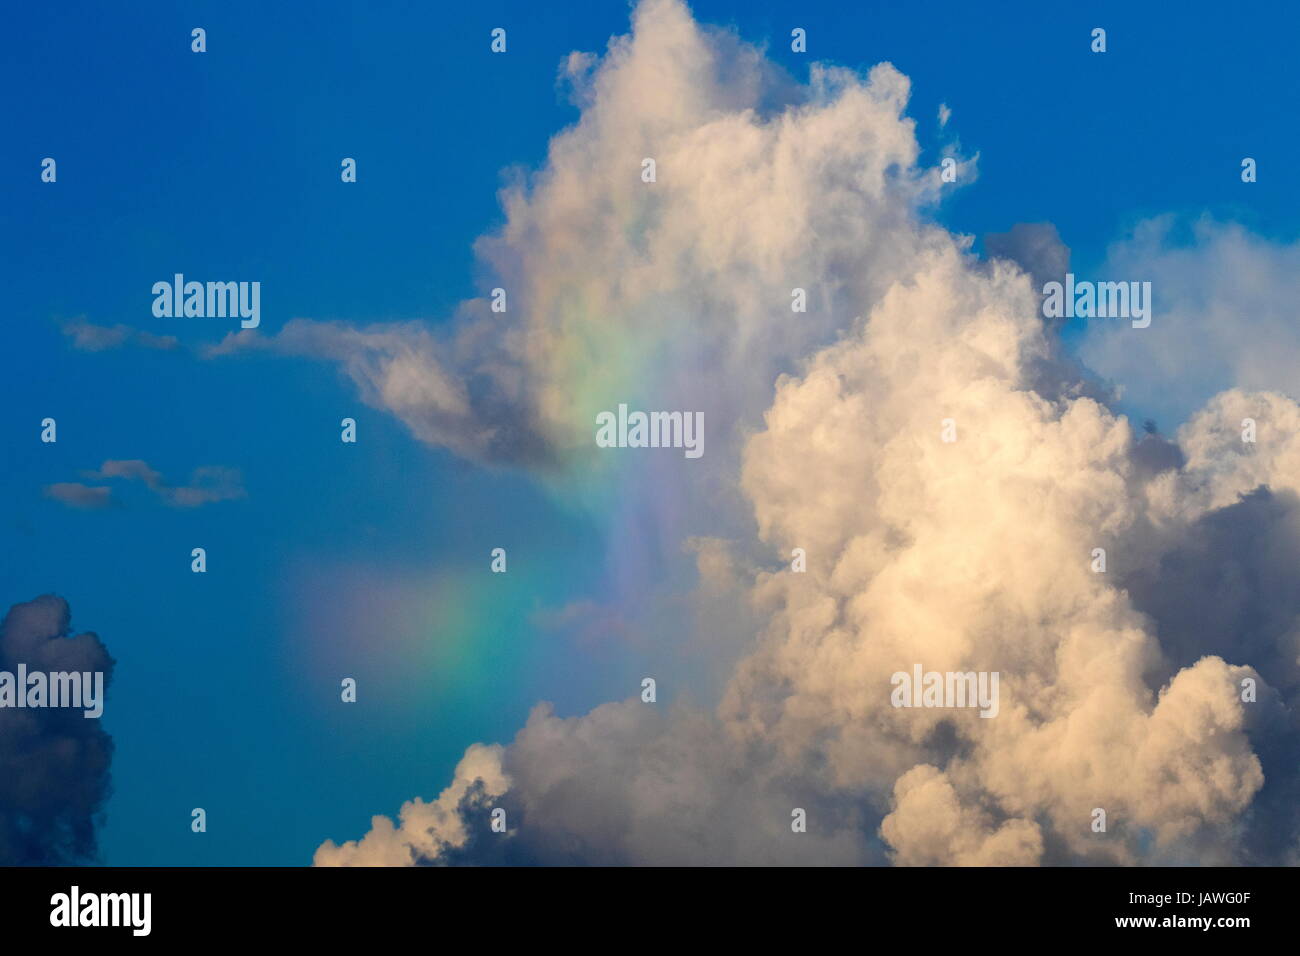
column 619, row 290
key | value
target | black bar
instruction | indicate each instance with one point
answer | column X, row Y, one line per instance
column 662, row 907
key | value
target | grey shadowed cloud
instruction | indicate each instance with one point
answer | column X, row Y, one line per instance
column 54, row 762
column 1034, row 246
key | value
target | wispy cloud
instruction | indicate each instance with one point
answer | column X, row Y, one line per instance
column 207, row 484
column 88, row 337
column 76, row 495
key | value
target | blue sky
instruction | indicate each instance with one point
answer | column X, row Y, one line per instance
column 225, row 165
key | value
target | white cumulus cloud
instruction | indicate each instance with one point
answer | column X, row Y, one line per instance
column 965, row 555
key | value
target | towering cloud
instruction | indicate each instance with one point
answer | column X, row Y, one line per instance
column 53, row 761
column 969, row 554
